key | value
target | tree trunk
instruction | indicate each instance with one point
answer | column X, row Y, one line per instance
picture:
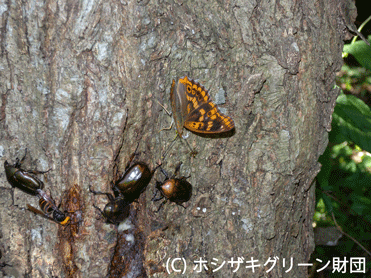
column 81, row 86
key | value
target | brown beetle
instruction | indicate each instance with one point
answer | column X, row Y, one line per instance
column 173, row 189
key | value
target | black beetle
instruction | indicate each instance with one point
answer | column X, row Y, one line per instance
column 134, row 181
column 126, row 190
column 23, row 179
column 173, row 189
column 49, row 210
column 116, row 210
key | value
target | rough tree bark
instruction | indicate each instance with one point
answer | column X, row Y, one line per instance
column 81, row 83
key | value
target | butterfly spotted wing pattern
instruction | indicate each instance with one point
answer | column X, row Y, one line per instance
column 193, row 109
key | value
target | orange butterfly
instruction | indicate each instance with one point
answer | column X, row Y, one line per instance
column 193, row 109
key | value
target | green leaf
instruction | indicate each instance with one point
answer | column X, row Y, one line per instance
column 352, row 120
column 328, row 203
column 361, row 204
column 361, row 51
column 324, row 174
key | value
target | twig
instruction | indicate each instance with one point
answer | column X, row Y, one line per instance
column 349, row 236
column 361, row 27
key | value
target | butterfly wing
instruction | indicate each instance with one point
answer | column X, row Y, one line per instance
column 207, row 118
column 195, row 92
column 203, row 115
column 193, row 109
column 178, row 101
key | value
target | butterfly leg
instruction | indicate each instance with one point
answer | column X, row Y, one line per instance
column 163, row 107
column 167, row 112
column 193, row 152
column 167, row 128
column 171, row 144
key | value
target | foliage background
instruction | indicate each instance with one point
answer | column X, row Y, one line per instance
column 343, row 212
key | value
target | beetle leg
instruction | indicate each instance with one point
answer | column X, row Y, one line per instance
column 37, row 172
column 162, row 204
column 100, row 211
column 157, row 199
column 4, row 265
column 154, row 199
column 154, row 170
column 164, row 172
column 115, row 190
column 185, row 178
column 108, row 219
column 109, row 196
column 181, row 205
column 18, row 163
column 23, row 158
